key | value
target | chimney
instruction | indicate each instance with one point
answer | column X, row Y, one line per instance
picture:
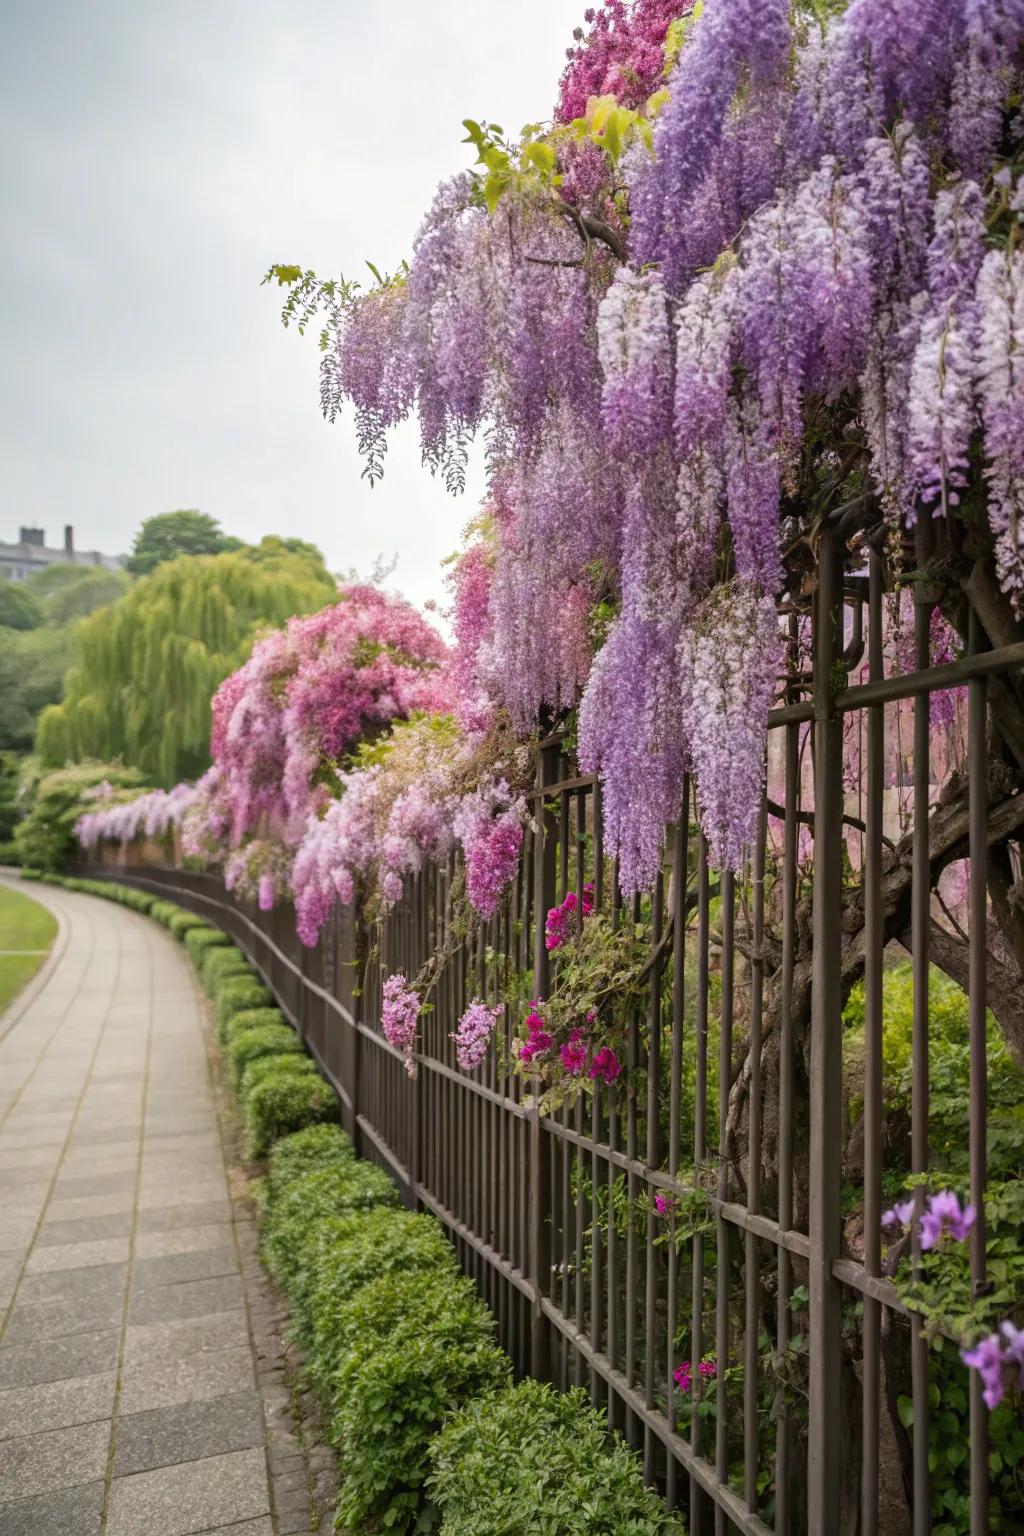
column 33, row 536
column 69, row 539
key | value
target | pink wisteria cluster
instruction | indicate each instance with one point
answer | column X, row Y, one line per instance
column 473, row 1035
column 578, row 1055
column 622, row 55
column 822, row 248
column 399, row 1017
column 307, row 695
column 149, row 815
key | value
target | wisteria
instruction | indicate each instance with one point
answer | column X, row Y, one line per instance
column 473, row 1035
column 150, row 815
column 399, row 1017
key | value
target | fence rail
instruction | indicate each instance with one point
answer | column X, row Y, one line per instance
column 736, row 1101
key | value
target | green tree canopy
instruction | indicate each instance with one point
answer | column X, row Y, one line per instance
column 54, row 578
column 170, row 534
column 77, row 599
column 19, row 609
column 144, row 670
column 32, row 667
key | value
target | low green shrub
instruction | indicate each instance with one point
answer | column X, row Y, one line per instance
column 412, row 1348
column 163, row 911
column 200, row 939
column 297, row 1216
column 528, row 1459
column 382, row 1242
column 252, row 1018
column 318, row 1146
column 182, row 922
column 28, row 873
column 282, row 1102
column 246, row 1045
column 218, row 964
column 268, row 1066
column 234, row 994
column 9, row 852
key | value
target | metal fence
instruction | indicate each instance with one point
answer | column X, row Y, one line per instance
column 741, row 1101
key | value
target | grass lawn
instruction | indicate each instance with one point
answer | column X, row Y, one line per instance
column 26, row 932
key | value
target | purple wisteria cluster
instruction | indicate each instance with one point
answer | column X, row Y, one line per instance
column 819, row 242
column 473, row 1035
column 399, row 1016
column 941, row 1216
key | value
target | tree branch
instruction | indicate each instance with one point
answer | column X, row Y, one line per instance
column 595, row 229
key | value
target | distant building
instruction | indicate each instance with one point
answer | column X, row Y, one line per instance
column 31, row 553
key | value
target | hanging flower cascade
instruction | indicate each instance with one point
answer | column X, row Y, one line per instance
column 750, row 234
column 151, row 815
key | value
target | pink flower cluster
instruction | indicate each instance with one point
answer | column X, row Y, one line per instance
column 622, row 55
column 150, row 815
column 683, row 1377
column 560, row 919
column 473, row 1034
column 399, row 1015
column 538, row 1040
column 489, row 825
column 308, row 694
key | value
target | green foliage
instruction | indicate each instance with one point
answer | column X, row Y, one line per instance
column 318, row 1146
column 282, row 1101
column 163, row 912
column 199, row 940
column 10, row 779
column 415, row 1347
column 253, row 1018
column 32, row 667
column 336, row 1188
column 46, row 836
column 531, row 1461
column 234, row 994
column 145, row 668
column 183, row 922
column 219, row 963
column 96, row 588
column 170, row 534
column 246, row 1045
column 19, row 608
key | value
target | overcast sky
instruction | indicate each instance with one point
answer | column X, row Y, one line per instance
column 157, row 157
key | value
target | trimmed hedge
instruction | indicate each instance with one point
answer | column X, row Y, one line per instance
column 529, row 1459
column 283, row 1101
column 254, row 1018
column 182, row 922
column 201, row 939
column 334, row 1188
column 218, row 964
column 247, row 1045
column 234, row 995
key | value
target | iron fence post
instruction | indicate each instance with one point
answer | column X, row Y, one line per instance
column 823, row 1448
column 539, row 1247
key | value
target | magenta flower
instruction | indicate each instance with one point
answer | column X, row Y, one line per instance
column 559, row 919
column 708, row 1369
column 398, row 1018
column 605, row 1065
column 665, row 1205
column 681, row 1376
column 574, row 1054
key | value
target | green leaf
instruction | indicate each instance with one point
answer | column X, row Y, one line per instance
column 905, row 1409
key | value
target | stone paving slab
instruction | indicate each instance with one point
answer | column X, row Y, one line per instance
column 130, row 1402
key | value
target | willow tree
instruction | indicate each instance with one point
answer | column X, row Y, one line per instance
column 145, row 668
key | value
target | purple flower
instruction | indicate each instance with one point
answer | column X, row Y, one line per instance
column 665, row 1205
column 398, row 1018
column 944, row 1215
column 987, row 1359
column 474, row 1033
column 900, row 1215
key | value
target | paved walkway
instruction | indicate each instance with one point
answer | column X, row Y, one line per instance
column 128, row 1391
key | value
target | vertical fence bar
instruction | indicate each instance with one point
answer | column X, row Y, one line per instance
column 751, row 1437
column 700, row 1152
column 545, row 853
column 723, row 1228
column 977, row 788
column 826, row 1060
column 920, row 918
column 680, row 861
column 874, row 943
column 653, row 1156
